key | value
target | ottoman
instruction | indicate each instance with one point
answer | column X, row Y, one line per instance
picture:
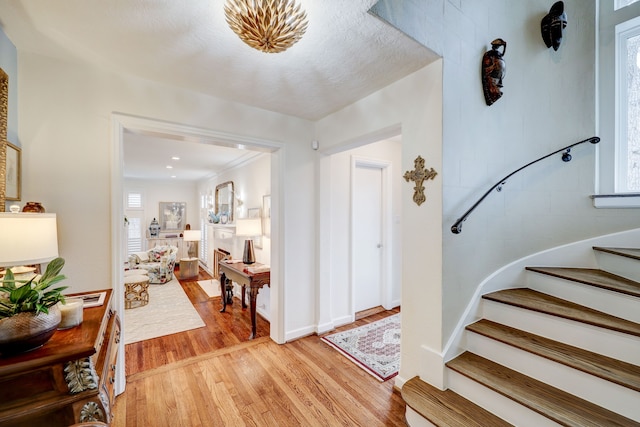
column 136, row 291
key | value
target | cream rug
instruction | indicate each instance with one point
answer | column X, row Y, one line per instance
column 210, row 287
column 169, row 311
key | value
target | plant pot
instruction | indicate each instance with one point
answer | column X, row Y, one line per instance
column 27, row 331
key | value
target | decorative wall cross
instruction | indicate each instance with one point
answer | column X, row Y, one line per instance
column 419, row 175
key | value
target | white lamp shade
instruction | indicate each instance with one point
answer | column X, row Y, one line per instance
column 192, row 236
column 27, row 238
column 249, row 227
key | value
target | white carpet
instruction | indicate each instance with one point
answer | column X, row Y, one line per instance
column 210, row 287
column 169, row 311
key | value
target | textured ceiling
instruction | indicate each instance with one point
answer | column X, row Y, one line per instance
column 345, row 55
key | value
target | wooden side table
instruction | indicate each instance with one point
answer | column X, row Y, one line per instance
column 239, row 272
column 188, row 268
column 136, row 291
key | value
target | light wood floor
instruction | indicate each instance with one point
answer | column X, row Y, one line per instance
column 214, row 376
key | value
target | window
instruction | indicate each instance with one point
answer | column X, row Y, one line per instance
column 134, row 212
column 628, row 106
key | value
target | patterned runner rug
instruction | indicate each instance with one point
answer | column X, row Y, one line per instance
column 169, row 311
column 374, row 347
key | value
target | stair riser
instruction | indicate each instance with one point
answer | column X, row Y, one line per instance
column 614, row 303
column 594, row 389
column 496, row 403
column 609, row 343
column 620, row 265
column 414, row 419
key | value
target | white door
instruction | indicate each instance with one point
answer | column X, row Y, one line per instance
column 367, row 237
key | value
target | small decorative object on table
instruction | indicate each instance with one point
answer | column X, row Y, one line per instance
column 154, row 228
column 71, row 313
column 493, row 71
column 33, row 207
column 29, row 313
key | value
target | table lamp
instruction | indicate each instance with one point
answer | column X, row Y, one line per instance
column 248, row 227
column 192, row 236
column 27, row 238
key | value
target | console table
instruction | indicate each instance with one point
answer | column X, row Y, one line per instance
column 68, row 380
column 232, row 271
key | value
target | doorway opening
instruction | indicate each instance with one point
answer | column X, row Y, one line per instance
column 360, row 243
column 123, row 124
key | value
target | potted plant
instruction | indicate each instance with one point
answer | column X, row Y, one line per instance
column 29, row 314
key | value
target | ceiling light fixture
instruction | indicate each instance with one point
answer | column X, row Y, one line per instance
column 267, row 25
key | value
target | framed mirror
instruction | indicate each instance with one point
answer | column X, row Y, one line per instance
column 224, row 202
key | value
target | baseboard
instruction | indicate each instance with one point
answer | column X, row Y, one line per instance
column 299, row 333
column 325, row 327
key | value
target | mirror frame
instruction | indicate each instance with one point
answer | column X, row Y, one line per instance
column 4, row 107
column 225, row 185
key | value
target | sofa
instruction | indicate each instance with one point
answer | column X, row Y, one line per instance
column 159, row 263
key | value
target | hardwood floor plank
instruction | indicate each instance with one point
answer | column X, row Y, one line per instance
column 214, row 376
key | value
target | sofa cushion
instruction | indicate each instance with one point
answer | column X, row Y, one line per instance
column 156, row 254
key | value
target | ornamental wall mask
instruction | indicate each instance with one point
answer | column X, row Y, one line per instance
column 493, row 71
column 553, row 25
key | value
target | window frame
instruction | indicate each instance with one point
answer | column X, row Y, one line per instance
column 623, row 32
column 605, row 185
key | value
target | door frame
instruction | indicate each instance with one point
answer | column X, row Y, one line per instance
column 385, row 232
column 122, row 122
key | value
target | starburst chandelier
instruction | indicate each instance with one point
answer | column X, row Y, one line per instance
column 268, row 25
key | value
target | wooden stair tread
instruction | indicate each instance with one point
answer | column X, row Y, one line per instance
column 557, row 405
column 543, row 303
column 633, row 253
column 446, row 408
column 594, row 277
column 607, row 368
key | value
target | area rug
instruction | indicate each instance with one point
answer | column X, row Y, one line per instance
column 210, row 287
column 169, row 311
column 375, row 347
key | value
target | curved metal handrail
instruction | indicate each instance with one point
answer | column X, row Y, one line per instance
column 566, row 157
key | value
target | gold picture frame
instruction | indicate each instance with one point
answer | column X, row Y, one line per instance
column 4, row 107
column 13, row 167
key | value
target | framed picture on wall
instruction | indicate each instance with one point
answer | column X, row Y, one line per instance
column 173, row 215
column 14, row 172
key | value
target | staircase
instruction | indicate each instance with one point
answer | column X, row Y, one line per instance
column 564, row 350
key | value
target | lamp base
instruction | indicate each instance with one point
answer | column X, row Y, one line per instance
column 248, row 256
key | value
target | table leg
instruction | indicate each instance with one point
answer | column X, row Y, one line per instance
column 223, row 291
column 253, row 296
column 244, row 290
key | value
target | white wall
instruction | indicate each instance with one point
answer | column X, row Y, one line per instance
column 155, row 191
column 549, row 102
column 340, row 205
column 412, row 107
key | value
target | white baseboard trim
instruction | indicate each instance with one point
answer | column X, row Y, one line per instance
column 325, row 327
column 299, row 333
